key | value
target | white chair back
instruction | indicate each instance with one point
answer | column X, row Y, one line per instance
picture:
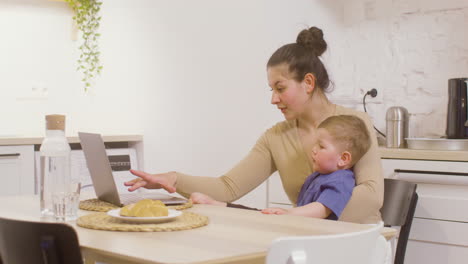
column 349, row 248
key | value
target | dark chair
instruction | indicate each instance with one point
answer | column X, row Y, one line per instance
column 25, row 242
column 400, row 201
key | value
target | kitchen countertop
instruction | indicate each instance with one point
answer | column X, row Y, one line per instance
column 385, row 153
column 19, row 140
column 419, row 154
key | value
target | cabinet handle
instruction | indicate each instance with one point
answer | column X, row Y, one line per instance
column 10, row 155
column 433, row 172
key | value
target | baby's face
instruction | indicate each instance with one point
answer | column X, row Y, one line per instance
column 325, row 154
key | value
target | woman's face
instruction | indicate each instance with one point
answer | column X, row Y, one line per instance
column 289, row 95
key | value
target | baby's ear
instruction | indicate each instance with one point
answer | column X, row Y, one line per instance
column 345, row 159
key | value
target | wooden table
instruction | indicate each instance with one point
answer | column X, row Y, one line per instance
column 232, row 236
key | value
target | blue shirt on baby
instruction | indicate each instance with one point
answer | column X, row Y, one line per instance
column 332, row 190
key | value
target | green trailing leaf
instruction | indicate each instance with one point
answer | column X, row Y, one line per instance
column 87, row 18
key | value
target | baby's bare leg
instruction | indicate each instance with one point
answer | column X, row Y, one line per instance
column 200, row 198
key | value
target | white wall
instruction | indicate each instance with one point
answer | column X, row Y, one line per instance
column 407, row 50
column 190, row 75
column 37, row 51
column 212, row 101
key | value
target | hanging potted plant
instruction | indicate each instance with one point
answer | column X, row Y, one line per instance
column 88, row 19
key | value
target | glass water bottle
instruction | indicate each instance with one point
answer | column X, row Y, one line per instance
column 55, row 172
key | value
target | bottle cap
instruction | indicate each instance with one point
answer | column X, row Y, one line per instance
column 55, row 122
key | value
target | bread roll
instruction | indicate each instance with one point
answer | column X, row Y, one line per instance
column 145, row 208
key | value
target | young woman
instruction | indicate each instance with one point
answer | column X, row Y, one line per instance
column 298, row 80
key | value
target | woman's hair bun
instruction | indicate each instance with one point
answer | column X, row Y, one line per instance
column 312, row 39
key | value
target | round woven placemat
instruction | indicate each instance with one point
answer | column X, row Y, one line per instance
column 96, row 205
column 101, row 206
column 102, row 221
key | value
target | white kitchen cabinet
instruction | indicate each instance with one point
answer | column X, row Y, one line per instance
column 439, row 233
column 276, row 196
column 256, row 198
column 17, row 170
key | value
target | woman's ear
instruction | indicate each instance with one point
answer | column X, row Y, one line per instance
column 309, row 80
column 345, row 160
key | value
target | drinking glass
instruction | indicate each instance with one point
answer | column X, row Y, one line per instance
column 66, row 202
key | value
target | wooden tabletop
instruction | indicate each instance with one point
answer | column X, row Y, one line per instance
column 232, row 235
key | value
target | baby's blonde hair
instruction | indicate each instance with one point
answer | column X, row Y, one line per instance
column 350, row 132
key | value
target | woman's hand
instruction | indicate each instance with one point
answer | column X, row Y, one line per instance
column 165, row 181
column 274, row 210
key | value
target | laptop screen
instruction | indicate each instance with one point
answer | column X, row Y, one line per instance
column 99, row 167
column 103, row 180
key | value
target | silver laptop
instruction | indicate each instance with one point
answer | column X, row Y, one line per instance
column 103, row 181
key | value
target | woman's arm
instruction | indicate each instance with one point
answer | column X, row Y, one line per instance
column 367, row 198
column 255, row 168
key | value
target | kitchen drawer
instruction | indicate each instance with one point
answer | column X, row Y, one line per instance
column 437, row 231
column 442, row 187
column 17, row 170
column 456, row 168
column 421, row 252
column 441, row 203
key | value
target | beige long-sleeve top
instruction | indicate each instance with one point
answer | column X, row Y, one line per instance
column 280, row 149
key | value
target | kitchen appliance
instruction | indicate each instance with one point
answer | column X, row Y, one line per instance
column 397, row 127
column 457, row 111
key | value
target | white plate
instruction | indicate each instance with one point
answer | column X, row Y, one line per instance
column 172, row 214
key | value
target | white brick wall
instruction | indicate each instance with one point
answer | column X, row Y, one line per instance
column 408, row 52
